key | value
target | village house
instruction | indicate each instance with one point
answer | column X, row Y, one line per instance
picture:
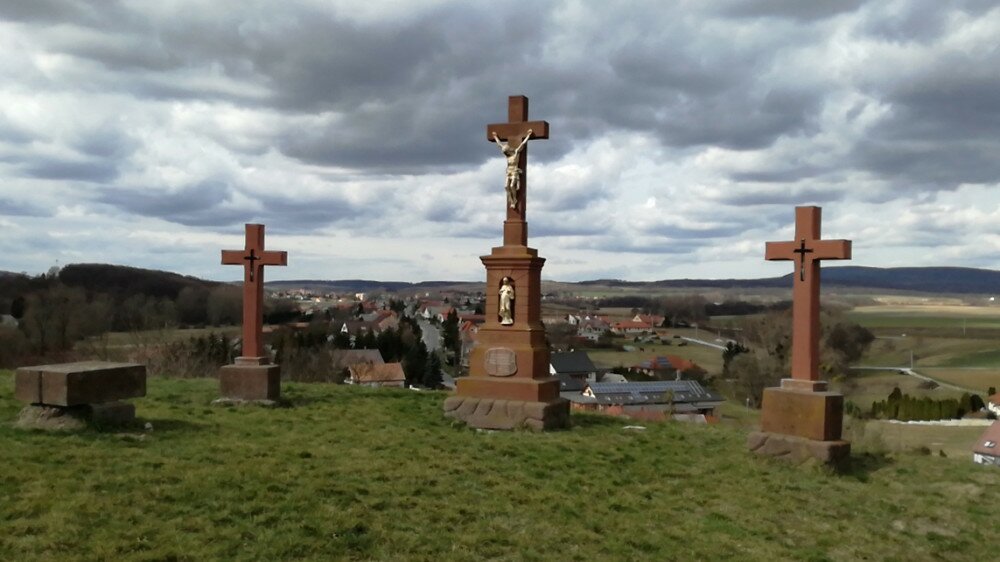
column 666, row 366
column 349, row 357
column 573, row 369
column 652, row 320
column 987, row 448
column 370, row 374
column 655, row 400
column 592, row 328
column 630, row 328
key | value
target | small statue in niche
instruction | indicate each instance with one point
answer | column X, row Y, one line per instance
column 513, row 184
column 506, row 311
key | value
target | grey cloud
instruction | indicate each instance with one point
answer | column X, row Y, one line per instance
column 921, row 22
column 416, row 95
column 199, row 204
column 54, row 11
column 619, row 245
column 307, row 214
column 678, row 233
column 782, row 195
column 98, row 171
column 564, row 227
column 791, row 9
column 14, row 208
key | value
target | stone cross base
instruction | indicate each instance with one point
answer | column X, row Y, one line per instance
column 798, row 449
column 250, row 383
column 798, row 423
column 489, row 413
column 41, row 416
column 511, row 388
column 800, row 413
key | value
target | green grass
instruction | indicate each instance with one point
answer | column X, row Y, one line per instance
column 350, row 473
column 954, row 441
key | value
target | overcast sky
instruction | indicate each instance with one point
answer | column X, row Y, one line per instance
column 682, row 133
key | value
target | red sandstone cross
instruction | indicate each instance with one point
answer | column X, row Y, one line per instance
column 515, row 229
column 806, row 251
column 253, row 259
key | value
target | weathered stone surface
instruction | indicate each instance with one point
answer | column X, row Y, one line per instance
column 69, row 418
column 812, row 415
column 798, row 449
column 75, row 384
column 488, row 413
column 250, row 382
column 501, row 362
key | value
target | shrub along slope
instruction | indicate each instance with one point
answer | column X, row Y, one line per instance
column 351, row 473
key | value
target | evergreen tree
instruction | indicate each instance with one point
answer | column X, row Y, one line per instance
column 449, row 334
column 341, row 340
column 415, row 363
column 432, row 372
column 976, row 403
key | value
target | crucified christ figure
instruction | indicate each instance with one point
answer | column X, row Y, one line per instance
column 513, row 184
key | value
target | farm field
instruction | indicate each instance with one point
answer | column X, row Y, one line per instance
column 937, row 335
column 950, row 319
column 873, row 386
column 977, row 379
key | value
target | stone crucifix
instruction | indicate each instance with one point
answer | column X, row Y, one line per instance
column 512, row 137
column 253, row 259
column 806, row 251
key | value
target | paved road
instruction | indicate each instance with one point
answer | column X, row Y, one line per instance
column 705, row 343
column 431, row 335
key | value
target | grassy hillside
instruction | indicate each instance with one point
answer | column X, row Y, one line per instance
column 351, row 473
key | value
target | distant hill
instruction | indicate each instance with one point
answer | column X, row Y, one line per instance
column 361, row 285
column 959, row 280
column 956, row 280
column 126, row 281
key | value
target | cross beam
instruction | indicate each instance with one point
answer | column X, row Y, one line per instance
column 253, row 258
column 513, row 133
column 807, row 250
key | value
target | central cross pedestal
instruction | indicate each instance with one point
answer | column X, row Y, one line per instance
column 252, row 378
column 802, row 419
column 509, row 383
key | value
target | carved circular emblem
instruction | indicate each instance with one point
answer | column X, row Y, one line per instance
column 500, row 362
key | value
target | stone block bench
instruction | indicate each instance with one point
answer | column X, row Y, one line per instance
column 68, row 395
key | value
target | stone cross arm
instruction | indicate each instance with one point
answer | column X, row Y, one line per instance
column 516, row 131
column 816, row 250
column 268, row 257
